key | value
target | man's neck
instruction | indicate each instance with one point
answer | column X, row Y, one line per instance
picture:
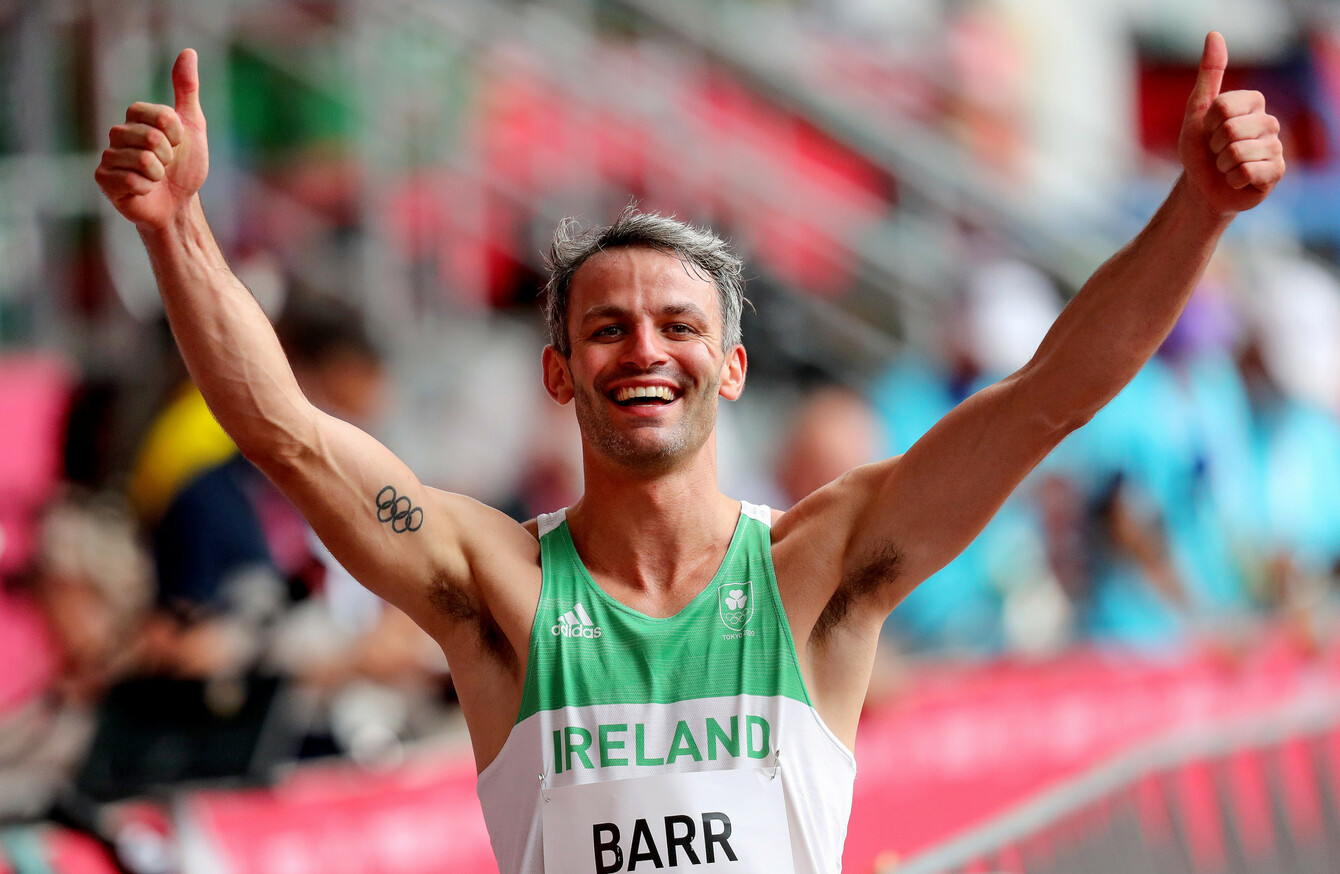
column 660, row 536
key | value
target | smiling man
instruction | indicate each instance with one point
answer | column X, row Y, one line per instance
column 656, row 348
column 682, row 671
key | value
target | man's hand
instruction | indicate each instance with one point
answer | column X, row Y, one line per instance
column 159, row 158
column 1229, row 145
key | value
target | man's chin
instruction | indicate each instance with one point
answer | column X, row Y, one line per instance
column 643, row 449
column 650, row 444
column 645, row 453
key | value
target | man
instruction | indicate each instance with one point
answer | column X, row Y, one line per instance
column 682, row 672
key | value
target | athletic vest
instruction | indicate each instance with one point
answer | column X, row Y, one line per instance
column 687, row 743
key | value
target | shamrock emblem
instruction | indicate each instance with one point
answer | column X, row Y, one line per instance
column 733, row 599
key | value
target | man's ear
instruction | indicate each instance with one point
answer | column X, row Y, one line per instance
column 557, row 376
column 732, row 373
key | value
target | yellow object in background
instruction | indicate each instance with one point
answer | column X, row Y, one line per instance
column 182, row 440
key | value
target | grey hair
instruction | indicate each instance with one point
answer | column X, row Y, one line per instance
column 698, row 247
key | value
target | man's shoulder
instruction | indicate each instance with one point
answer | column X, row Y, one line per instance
column 835, row 506
column 489, row 539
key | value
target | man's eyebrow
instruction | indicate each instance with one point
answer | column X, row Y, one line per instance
column 604, row 311
column 684, row 309
column 614, row 311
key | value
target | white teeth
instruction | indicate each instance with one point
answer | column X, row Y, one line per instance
column 644, row 391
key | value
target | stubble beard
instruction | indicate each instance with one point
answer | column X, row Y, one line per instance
column 649, row 448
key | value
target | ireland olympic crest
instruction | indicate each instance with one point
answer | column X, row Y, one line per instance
column 736, row 601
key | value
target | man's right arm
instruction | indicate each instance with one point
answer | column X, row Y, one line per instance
column 365, row 503
column 405, row 541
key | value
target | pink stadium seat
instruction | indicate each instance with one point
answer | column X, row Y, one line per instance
column 34, row 400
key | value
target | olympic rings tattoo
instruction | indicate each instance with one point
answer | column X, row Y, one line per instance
column 398, row 510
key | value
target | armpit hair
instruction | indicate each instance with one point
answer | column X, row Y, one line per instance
column 867, row 578
column 458, row 605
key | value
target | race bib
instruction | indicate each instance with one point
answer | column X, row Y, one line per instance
column 710, row 821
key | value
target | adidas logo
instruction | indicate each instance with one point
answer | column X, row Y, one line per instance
column 576, row 623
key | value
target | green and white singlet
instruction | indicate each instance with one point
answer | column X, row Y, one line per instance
column 687, row 743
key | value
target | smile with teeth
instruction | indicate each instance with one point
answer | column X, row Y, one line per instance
column 643, row 394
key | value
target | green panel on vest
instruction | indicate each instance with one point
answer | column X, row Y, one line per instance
column 732, row 639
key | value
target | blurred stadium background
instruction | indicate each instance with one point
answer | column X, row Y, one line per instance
column 1135, row 668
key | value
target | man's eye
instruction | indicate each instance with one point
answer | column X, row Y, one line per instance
column 680, row 328
column 608, row 331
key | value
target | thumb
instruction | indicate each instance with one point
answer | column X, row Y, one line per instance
column 1210, row 76
column 186, row 85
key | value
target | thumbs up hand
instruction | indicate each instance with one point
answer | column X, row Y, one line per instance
column 159, row 158
column 1229, row 145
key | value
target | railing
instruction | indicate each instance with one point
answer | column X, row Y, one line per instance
column 1254, row 795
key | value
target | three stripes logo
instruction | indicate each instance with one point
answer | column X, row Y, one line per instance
column 576, row 623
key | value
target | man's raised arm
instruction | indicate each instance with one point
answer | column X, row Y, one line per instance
column 907, row 517
column 362, row 500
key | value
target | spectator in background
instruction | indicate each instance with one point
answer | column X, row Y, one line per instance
column 998, row 320
column 1111, row 557
column 1285, row 519
column 1208, row 484
column 182, row 439
column 245, row 585
column 68, row 630
column 1148, row 474
column 374, row 676
column 833, row 431
column 1203, row 422
column 551, row 467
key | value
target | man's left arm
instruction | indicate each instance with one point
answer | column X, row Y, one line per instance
column 896, row 522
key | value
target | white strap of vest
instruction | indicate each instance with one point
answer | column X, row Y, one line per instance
column 547, row 522
column 761, row 512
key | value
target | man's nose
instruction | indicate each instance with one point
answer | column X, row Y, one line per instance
column 645, row 347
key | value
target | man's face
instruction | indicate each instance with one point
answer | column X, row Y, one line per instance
column 646, row 367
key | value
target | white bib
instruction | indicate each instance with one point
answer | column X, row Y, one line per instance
column 708, row 821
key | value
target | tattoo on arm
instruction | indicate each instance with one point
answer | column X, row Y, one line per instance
column 398, row 511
